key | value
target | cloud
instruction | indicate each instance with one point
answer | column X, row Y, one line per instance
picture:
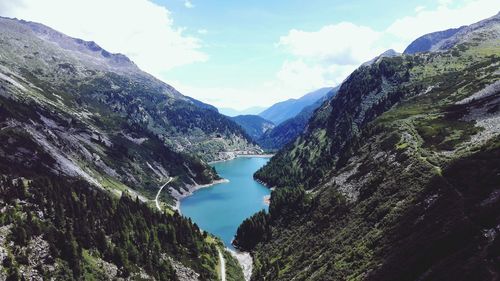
column 325, row 57
column 343, row 43
column 188, row 4
column 419, row 8
column 294, row 79
column 202, row 31
column 298, row 77
column 443, row 17
column 140, row 29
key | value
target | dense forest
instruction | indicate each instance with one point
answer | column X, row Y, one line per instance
column 87, row 228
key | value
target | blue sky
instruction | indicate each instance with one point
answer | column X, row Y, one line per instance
column 241, row 36
column 250, row 53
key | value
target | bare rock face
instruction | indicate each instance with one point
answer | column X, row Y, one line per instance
column 183, row 272
column 97, row 116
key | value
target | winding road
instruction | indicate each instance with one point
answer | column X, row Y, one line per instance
column 159, row 191
column 222, row 266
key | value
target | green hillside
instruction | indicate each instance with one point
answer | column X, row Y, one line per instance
column 396, row 177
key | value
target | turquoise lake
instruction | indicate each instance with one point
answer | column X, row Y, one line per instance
column 220, row 209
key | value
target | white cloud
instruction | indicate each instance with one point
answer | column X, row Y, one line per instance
column 140, row 29
column 297, row 77
column 342, row 43
column 146, row 33
column 443, row 17
column 445, row 2
column 188, row 4
column 327, row 56
column 294, row 79
column 419, row 8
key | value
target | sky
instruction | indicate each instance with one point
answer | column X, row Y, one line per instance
column 240, row 54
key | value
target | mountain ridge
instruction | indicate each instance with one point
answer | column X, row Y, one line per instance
column 87, row 139
column 395, row 176
column 290, row 129
column 284, row 110
column 96, row 118
column 254, row 125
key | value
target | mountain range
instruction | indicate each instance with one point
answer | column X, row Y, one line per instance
column 396, row 176
column 255, row 110
column 284, row 110
column 254, row 125
column 392, row 175
column 81, row 126
column 296, row 114
column 288, row 130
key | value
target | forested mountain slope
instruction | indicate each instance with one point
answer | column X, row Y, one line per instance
column 290, row 129
column 254, row 125
column 79, row 127
column 62, row 229
column 396, row 177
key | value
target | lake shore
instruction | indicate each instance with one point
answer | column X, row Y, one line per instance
column 244, row 259
column 178, row 196
column 242, row 156
column 267, row 200
column 256, row 155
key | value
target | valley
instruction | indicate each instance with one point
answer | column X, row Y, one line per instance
column 364, row 166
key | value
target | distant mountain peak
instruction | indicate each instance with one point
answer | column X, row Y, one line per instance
column 89, row 48
column 446, row 39
column 387, row 54
column 284, row 110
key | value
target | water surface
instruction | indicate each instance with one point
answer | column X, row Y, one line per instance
column 221, row 208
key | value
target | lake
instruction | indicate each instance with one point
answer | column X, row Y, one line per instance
column 220, row 209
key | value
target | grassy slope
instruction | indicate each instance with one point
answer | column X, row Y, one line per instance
column 399, row 194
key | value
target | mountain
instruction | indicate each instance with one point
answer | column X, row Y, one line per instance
column 202, row 104
column 290, row 129
column 396, row 176
column 234, row 112
column 86, row 140
column 254, row 125
column 444, row 40
column 425, row 42
column 387, row 54
column 100, row 117
column 284, row 110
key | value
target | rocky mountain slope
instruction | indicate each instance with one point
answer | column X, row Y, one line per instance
column 79, row 127
column 98, row 116
column 290, row 129
column 254, row 125
column 396, row 177
column 425, row 42
column 284, row 110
